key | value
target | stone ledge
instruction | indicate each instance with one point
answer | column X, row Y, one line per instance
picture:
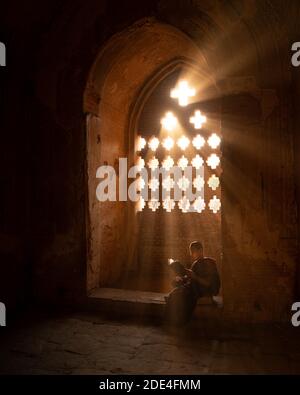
column 127, row 295
column 124, row 302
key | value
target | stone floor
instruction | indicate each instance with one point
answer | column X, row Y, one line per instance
column 88, row 344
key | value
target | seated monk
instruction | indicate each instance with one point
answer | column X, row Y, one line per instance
column 201, row 279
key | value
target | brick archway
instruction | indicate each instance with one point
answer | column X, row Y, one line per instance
column 117, row 87
column 245, row 47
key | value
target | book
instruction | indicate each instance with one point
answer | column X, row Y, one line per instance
column 177, row 267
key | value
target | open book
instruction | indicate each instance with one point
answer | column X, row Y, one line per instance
column 177, row 267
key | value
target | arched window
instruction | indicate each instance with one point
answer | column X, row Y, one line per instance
column 126, row 97
column 178, row 146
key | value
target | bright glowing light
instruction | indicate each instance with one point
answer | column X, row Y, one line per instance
column 140, row 144
column 168, row 163
column 182, row 92
column 197, row 162
column 199, row 204
column 153, row 163
column 184, row 204
column 168, row 204
column 214, row 204
column 169, row 122
column 213, row 182
column 140, row 204
column 183, row 143
column 214, row 141
column 153, row 204
column 154, row 184
column 140, row 163
column 183, row 183
column 213, row 161
column 168, row 183
column 198, row 141
column 198, row 183
column 182, row 162
column 198, row 119
column 153, row 143
column 168, row 143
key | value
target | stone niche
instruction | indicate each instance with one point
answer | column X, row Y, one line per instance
column 136, row 62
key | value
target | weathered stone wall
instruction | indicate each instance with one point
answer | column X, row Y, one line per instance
column 295, row 124
column 259, row 232
column 246, row 45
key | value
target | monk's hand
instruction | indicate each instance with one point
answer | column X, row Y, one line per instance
column 191, row 274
